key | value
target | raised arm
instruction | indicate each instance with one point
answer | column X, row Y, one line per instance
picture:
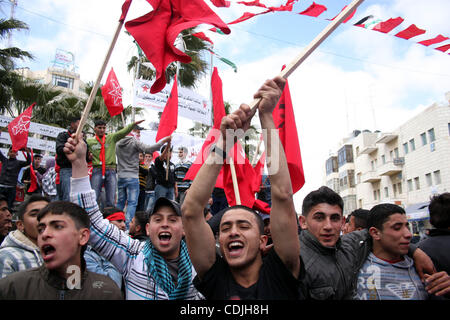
column 199, row 236
column 283, row 218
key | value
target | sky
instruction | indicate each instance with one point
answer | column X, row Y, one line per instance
column 356, row 79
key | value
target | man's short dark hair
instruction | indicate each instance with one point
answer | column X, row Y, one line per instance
column 110, row 210
column 360, row 218
column 74, row 119
column 321, row 195
column 164, row 148
column 439, row 208
column 99, row 122
column 74, row 211
column 3, row 198
column 380, row 213
column 185, row 150
column 141, row 219
column 33, row 198
column 258, row 218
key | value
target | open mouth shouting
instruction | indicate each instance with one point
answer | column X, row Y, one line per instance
column 164, row 238
column 48, row 252
column 235, row 248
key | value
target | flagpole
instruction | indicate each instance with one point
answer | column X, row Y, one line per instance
column 286, row 72
column 93, row 93
column 235, row 183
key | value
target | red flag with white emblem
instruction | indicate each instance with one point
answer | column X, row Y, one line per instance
column 112, row 94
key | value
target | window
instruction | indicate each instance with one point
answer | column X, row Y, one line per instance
column 375, row 195
column 394, row 188
column 437, row 176
column 383, row 159
column 431, row 135
column 61, row 81
column 372, row 165
column 391, row 154
column 331, row 165
column 423, row 136
column 396, row 152
column 345, row 155
column 386, row 192
column 417, row 183
column 412, row 144
column 410, row 185
column 428, row 179
column 399, row 188
column 358, row 178
column 405, row 148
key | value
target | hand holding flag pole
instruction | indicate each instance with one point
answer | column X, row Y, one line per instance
column 286, row 72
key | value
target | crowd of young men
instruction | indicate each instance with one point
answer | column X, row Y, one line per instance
column 84, row 249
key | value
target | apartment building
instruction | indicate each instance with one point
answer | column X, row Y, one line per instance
column 404, row 167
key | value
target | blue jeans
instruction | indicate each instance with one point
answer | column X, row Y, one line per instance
column 110, row 183
column 128, row 191
column 149, row 200
column 161, row 191
column 64, row 181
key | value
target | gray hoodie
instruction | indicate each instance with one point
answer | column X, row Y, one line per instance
column 18, row 253
column 127, row 152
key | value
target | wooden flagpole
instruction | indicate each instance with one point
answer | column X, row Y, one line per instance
column 235, row 183
column 93, row 93
column 286, row 72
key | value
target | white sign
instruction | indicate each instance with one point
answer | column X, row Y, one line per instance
column 193, row 144
column 38, row 128
column 33, row 143
column 191, row 105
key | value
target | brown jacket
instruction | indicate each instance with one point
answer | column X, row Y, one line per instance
column 40, row 284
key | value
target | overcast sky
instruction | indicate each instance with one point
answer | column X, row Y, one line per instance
column 357, row 79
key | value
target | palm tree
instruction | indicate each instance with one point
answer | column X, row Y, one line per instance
column 188, row 73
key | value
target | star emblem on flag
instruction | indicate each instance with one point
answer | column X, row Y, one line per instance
column 22, row 125
column 116, row 92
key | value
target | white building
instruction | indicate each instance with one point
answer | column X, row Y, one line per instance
column 404, row 167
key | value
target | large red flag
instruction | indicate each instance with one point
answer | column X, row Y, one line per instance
column 214, row 133
column 112, row 94
column 221, row 3
column 284, row 119
column 19, row 127
column 169, row 118
column 156, row 32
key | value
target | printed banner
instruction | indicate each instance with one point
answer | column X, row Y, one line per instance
column 191, row 105
column 42, row 129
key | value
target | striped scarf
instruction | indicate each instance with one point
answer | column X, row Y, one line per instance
column 157, row 268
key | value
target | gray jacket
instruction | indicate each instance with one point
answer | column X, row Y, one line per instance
column 127, row 152
column 331, row 272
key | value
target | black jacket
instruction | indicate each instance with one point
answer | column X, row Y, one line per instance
column 331, row 273
column 61, row 158
column 11, row 169
column 437, row 247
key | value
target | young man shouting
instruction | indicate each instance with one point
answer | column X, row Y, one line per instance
column 241, row 272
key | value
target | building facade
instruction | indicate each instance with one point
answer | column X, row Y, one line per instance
column 405, row 167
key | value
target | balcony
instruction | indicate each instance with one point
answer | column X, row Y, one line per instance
column 392, row 167
column 370, row 176
column 369, row 149
column 386, row 138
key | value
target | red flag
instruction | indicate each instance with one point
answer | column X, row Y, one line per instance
column 349, row 17
column 410, row 32
column 125, row 7
column 112, row 94
column 443, row 48
column 435, row 40
column 244, row 17
column 287, row 7
column 19, row 127
column 169, row 117
column 214, row 133
column 259, row 168
column 314, row 10
column 221, row 3
column 201, row 35
column 284, row 119
column 245, row 176
column 33, row 178
column 156, row 32
column 388, row 25
column 255, row 3
column 261, row 206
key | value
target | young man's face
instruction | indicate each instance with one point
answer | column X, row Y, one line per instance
column 394, row 238
column 60, row 242
column 240, row 239
column 165, row 230
column 148, row 159
column 181, row 154
column 37, row 162
column 5, row 219
column 324, row 222
column 100, row 130
column 12, row 154
column 120, row 224
column 28, row 225
column 141, row 157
